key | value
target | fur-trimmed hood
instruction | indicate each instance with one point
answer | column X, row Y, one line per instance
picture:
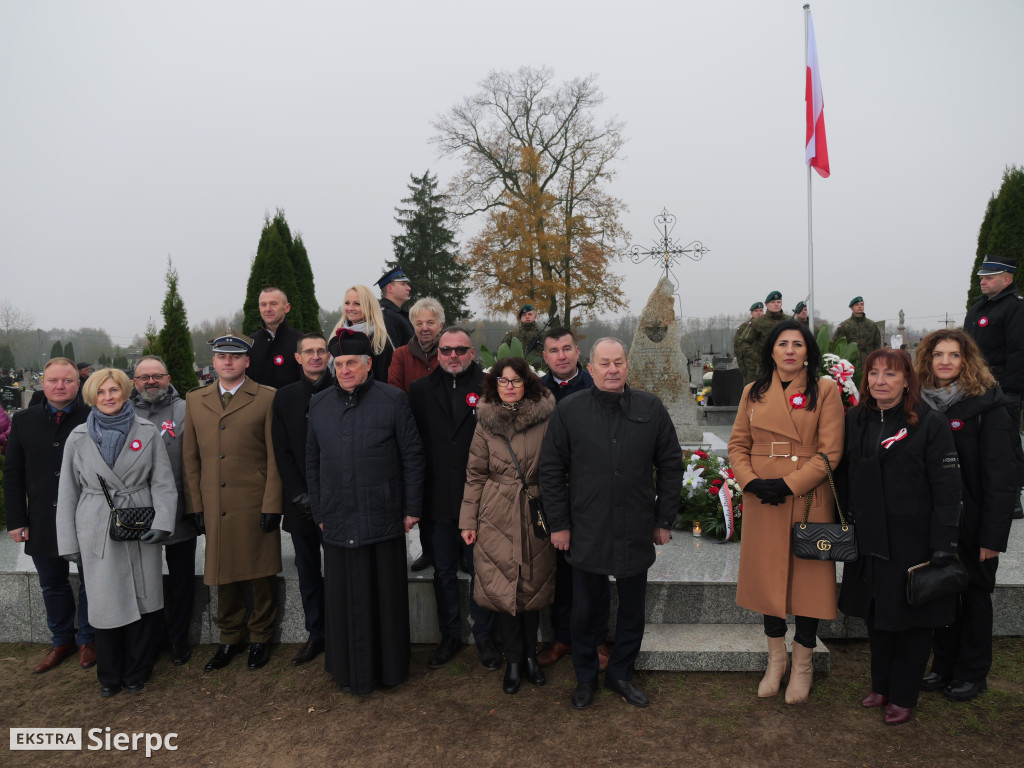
column 505, row 423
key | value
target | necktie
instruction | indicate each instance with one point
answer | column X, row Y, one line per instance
column 58, row 416
column 225, row 399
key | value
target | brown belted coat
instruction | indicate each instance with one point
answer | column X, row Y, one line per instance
column 231, row 477
column 773, row 439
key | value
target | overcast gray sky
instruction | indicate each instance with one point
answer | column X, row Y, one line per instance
column 131, row 131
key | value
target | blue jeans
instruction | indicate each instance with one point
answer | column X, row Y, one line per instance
column 59, row 601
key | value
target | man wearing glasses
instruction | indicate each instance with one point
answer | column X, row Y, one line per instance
column 156, row 400
column 444, row 405
column 291, row 418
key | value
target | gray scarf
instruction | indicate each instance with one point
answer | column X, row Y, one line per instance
column 110, row 432
column 942, row 398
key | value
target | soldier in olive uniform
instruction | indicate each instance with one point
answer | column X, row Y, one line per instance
column 741, row 344
column 800, row 313
column 763, row 326
column 859, row 330
column 530, row 335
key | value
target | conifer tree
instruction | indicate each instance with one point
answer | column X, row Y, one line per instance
column 175, row 339
column 1002, row 229
column 427, row 250
column 281, row 262
column 6, row 357
column 69, row 351
column 57, row 350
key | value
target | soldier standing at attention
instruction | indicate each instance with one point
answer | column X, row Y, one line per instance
column 859, row 330
column 762, row 327
column 741, row 344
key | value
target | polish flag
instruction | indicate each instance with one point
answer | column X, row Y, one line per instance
column 817, row 150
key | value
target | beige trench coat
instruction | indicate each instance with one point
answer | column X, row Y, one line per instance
column 515, row 570
column 771, row 580
column 231, row 477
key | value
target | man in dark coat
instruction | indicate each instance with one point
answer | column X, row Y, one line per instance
column 444, row 404
column 364, row 467
column 996, row 322
column 157, row 401
column 291, row 417
column 395, row 291
column 600, row 452
column 566, row 376
column 272, row 359
column 35, row 451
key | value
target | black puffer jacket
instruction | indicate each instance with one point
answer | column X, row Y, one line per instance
column 597, row 478
column 364, row 463
column 272, row 359
column 905, row 502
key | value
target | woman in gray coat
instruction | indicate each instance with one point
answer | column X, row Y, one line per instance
column 124, row 576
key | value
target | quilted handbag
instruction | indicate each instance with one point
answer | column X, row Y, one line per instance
column 825, row 541
column 127, row 523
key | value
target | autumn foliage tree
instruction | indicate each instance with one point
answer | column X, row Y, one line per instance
column 537, row 163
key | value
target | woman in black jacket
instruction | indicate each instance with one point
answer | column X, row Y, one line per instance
column 901, row 485
column 956, row 382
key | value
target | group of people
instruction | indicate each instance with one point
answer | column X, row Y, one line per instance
column 749, row 339
column 302, row 429
column 540, row 487
column 927, row 466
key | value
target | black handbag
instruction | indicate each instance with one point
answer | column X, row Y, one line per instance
column 537, row 520
column 927, row 582
column 127, row 523
column 825, row 541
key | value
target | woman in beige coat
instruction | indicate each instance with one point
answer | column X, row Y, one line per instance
column 515, row 569
column 785, row 418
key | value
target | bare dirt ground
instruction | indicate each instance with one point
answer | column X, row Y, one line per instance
column 458, row 716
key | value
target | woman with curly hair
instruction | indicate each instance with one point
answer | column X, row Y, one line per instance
column 515, row 569
column 361, row 312
column 956, row 382
column 786, row 419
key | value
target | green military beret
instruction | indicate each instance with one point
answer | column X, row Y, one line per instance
column 856, row 300
column 756, row 305
column 773, row 296
column 799, row 307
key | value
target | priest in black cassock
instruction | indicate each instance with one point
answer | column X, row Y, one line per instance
column 365, row 468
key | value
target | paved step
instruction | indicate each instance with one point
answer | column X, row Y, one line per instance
column 713, row 648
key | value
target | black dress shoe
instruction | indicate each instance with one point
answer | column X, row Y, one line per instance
column 421, row 563
column 489, row 656
column 135, row 688
column 308, row 652
column 259, row 655
column 512, row 679
column 110, row 690
column 628, row 691
column 958, row 690
column 534, row 675
column 933, row 681
column 180, row 654
column 583, row 696
column 447, row 648
column 223, row 656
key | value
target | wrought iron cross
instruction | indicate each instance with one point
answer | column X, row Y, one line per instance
column 666, row 249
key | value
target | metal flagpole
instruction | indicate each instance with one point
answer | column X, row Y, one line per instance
column 810, row 222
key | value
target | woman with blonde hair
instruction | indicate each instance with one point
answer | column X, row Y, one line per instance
column 956, row 382
column 120, row 456
column 361, row 312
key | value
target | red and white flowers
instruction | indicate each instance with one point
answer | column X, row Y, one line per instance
column 841, row 371
column 798, row 400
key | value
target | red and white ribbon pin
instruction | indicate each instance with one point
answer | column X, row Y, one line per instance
column 887, row 443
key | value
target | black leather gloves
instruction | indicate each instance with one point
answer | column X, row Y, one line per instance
column 269, row 523
column 302, row 506
column 772, row 492
column 939, row 557
column 200, row 523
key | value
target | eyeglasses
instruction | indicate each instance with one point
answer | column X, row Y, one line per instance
column 448, row 351
column 516, row 383
column 157, row 377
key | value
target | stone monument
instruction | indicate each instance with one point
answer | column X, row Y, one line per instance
column 657, row 363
